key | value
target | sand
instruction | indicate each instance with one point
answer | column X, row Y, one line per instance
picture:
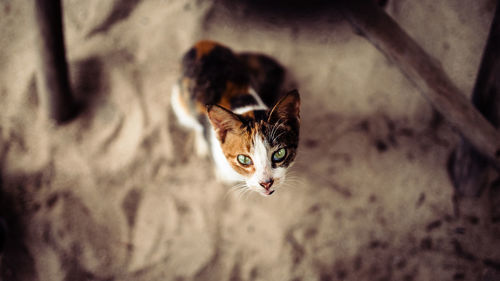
column 118, row 194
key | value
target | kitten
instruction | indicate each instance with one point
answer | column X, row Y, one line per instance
column 234, row 104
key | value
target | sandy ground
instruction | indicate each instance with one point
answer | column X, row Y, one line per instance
column 117, row 194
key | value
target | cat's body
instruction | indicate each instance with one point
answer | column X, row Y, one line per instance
column 240, row 116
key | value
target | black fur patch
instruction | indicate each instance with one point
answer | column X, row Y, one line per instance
column 260, row 115
column 266, row 77
column 242, row 100
column 249, row 122
column 190, row 55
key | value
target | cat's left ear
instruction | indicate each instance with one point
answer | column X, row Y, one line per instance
column 287, row 109
column 223, row 121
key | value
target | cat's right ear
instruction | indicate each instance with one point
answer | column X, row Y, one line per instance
column 223, row 121
column 287, row 109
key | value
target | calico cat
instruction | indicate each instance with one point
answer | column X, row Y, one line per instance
column 241, row 117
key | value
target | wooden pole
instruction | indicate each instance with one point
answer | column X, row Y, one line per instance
column 52, row 71
column 469, row 169
column 3, row 234
column 382, row 31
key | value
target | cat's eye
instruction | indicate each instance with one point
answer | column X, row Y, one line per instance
column 244, row 160
column 279, row 155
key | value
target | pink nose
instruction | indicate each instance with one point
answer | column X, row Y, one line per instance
column 267, row 184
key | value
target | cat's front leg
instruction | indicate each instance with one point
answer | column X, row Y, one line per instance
column 186, row 120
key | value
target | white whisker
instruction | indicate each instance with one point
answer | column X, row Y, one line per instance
column 275, row 128
column 237, row 189
column 276, row 137
column 293, row 181
column 246, row 193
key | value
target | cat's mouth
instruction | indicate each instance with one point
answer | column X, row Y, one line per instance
column 268, row 192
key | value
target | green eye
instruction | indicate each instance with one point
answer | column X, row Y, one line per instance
column 244, row 160
column 279, row 155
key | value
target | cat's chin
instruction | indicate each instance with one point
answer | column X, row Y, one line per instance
column 267, row 193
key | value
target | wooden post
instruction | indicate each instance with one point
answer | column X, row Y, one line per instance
column 469, row 169
column 382, row 31
column 52, row 71
column 3, row 234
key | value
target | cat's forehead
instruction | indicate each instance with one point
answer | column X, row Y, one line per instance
column 259, row 132
column 272, row 135
column 279, row 134
column 245, row 140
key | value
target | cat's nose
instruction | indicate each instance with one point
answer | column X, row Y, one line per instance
column 267, row 184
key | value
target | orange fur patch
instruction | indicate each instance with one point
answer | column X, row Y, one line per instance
column 249, row 114
column 253, row 62
column 232, row 90
column 204, row 47
column 238, row 143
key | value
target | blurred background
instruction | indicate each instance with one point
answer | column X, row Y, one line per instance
column 118, row 194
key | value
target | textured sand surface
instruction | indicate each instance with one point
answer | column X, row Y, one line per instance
column 117, row 194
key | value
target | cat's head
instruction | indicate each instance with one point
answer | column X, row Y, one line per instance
column 260, row 149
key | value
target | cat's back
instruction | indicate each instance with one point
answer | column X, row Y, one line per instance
column 214, row 74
